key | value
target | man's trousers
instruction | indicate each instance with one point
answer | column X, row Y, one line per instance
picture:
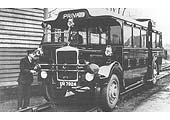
column 23, row 95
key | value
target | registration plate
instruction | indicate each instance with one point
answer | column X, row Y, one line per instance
column 68, row 83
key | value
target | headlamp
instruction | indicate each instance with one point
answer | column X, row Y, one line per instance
column 44, row 74
column 93, row 68
column 89, row 77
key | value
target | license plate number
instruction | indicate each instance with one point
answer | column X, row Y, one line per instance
column 67, row 83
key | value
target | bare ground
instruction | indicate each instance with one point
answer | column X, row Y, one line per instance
column 144, row 99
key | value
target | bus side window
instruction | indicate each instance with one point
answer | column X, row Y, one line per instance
column 84, row 35
column 103, row 31
column 115, row 35
column 153, row 40
column 47, row 37
column 103, row 38
column 93, row 35
column 160, row 40
column 127, row 36
column 157, row 40
column 143, row 38
column 98, row 35
column 136, row 37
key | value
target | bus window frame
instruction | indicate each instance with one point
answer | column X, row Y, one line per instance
column 89, row 42
column 120, row 36
column 137, row 28
column 154, row 40
column 158, row 40
column 47, row 36
column 52, row 35
column 125, row 24
column 143, row 30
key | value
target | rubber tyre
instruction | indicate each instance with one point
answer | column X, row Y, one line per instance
column 110, row 94
column 155, row 73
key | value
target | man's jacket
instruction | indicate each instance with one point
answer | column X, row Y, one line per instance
column 25, row 76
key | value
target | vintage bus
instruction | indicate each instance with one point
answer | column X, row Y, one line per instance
column 95, row 48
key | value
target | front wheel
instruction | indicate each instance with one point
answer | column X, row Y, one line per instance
column 110, row 94
column 52, row 94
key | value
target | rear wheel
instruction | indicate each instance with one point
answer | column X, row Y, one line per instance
column 110, row 94
column 155, row 73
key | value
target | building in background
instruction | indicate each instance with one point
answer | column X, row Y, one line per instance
column 20, row 30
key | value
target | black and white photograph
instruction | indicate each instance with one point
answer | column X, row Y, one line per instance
column 84, row 59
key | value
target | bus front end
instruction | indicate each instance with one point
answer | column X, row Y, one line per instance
column 70, row 69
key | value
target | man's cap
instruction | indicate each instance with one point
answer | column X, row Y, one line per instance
column 31, row 51
column 37, row 51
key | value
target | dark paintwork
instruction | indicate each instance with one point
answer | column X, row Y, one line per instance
column 135, row 61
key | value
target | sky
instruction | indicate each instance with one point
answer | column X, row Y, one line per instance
column 160, row 15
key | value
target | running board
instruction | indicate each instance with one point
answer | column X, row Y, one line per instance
column 131, row 89
column 36, row 108
column 161, row 76
column 135, row 84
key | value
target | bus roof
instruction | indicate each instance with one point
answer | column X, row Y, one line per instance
column 91, row 12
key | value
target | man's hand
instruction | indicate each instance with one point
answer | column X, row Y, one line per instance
column 32, row 71
column 37, row 66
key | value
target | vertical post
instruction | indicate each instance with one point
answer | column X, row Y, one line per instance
column 44, row 38
column 150, row 33
column 140, row 38
column 52, row 35
column 123, row 11
column 160, row 40
column 149, row 40
column 45, row 13
column 132, row 27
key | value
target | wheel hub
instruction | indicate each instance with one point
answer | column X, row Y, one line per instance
column 154, row 75
column 113, row 92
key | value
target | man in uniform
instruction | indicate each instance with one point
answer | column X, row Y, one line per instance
column 77, row 38
column 25, row 79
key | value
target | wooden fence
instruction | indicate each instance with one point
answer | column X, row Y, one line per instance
column 20, row 30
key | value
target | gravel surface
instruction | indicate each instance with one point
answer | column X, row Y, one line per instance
column 147, row 99
column 144, row 99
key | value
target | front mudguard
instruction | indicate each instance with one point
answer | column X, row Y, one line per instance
column 105, row 73
column 107, row 70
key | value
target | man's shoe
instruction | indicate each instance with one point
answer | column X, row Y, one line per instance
column 19, row 108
